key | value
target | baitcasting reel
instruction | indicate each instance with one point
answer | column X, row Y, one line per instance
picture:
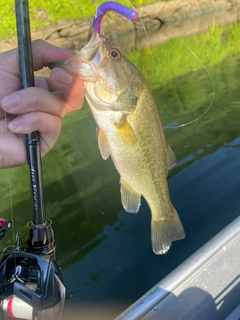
column 31, row 284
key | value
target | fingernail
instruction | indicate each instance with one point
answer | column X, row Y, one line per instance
column 63, row 77
column 15, row 125
column 10, row 102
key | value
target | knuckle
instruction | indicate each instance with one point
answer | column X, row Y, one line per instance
column 38, row 43
column 34, row 98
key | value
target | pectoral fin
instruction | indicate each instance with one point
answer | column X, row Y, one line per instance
column 103, row 144
column 126, row 131
column 131, row 199
column 171, row 159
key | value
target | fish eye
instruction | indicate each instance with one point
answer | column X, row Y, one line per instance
column 115, row 54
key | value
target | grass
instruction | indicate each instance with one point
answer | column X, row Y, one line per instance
column 44, row 12
column 183, row 56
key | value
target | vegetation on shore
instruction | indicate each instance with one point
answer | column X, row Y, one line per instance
column 44, row 12
column 210, row 48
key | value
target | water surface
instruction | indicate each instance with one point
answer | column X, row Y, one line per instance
column 104, row 252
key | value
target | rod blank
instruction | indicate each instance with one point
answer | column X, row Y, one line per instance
column 27, row 80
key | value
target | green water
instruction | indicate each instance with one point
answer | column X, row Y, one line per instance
column 107, row 250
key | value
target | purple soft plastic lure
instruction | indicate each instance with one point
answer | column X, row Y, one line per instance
column 115, row 7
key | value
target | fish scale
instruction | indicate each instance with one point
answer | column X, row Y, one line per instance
column 130, row 131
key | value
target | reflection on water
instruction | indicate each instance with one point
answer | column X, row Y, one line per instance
column 106, row 253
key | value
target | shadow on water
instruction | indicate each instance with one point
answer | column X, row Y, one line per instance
column 105, row 253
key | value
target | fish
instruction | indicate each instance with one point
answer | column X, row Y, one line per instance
column 130, row 131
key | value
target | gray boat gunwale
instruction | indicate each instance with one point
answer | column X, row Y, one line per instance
column 152, row 304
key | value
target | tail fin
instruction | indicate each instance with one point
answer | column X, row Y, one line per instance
column 165, row 231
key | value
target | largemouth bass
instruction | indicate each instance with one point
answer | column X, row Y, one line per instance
column 130, row 131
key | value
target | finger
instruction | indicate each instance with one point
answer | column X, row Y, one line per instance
column 8, row 83
column 37, row 99
column 62, row 78
column 49, row 127
column 44, row 83
column 33, row 99
column 43, row 53
column 12, row 147
column 71, row 88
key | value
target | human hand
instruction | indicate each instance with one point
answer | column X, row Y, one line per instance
column 37, row 108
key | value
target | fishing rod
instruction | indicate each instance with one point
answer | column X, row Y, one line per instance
column 31, row 283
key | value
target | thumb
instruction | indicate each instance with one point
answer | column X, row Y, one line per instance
column 70, row 88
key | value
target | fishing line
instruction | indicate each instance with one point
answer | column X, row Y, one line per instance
column 145, row 31
column 196, row 57
column 10, row 185
column 212, row 83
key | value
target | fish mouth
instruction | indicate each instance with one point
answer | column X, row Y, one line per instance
column 85, row 62
column 90, row 50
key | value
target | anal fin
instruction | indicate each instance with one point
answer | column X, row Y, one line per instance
column 131, row 200
column 171, row 159
column 103, row 144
